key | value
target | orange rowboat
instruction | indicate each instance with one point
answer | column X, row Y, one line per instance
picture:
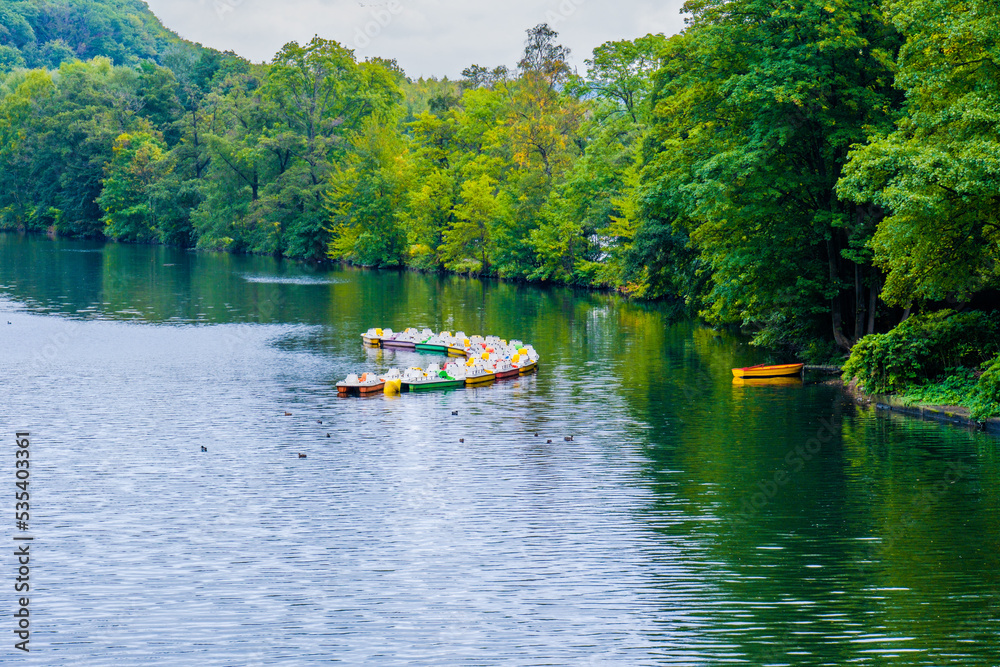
column 767, row 371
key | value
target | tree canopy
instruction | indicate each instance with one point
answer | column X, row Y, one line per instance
column 805, row 170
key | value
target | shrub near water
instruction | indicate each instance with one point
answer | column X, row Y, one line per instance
column 923, row 348
column 960, row 386
column 985, row 398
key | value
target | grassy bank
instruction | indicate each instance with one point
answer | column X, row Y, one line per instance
column 944, row 358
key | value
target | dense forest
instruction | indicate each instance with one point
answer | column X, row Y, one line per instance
column 815, row 172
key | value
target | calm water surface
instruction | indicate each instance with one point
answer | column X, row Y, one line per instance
column 690, row 521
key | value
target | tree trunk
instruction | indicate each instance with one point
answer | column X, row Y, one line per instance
column 859, row 304
column 838, row 325
column 835, row 312
column 872, row 301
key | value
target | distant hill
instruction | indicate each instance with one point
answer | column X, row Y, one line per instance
column 45, row 33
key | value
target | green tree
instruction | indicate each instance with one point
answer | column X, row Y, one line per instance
column 10, row 59
column 581, row 237
column 428, row 211
column 140, row 161
column 621, row 74
column 467, row 242
column 319, row 94
column 758, row 104
column 936, row 174
column 238, row 166
column 23, row 204
column 366, row 194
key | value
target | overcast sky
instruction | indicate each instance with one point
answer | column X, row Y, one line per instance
column 426, row 37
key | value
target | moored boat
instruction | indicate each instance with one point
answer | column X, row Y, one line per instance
column 529, row 367
column 367, row 383
column 488, row 358
column 372, row 337
column 767, row 370
column 525, row 359
column 505, row 369
column 476, row 372
column 393, row 382
column 458, row 344
column 437, row 343
column 416, row 379
column 405, row 340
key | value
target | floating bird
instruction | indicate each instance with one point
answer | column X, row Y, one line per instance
column 536, row 435
column 319, row 421
column 548, row 442
column 461, row 439
column 288, row 414
column 454, row 412
column 568, row 438
column 204, row 448
column 301, row 455
column 328, row 435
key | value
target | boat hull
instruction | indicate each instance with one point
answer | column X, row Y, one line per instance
column 439, row 349
column 480, row 379
column 399, row 344
column 779, row 381
column 428, row 386
column 763, row 371
column 456, row 352
column 371, row 342
column 528, row 368
column 513, row 372
column 348, row 389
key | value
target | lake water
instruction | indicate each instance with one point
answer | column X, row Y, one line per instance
column 690, row 521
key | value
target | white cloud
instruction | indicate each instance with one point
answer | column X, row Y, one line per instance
column 426, row 37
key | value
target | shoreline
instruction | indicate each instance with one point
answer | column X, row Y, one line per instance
column 954, row 415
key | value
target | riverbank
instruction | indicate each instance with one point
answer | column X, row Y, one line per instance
column 956, row 415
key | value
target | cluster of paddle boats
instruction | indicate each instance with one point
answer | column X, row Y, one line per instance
column 483, row 359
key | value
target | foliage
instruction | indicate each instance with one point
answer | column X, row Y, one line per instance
column 801, row 170
column 468, row 242
column 128, row 197
column 756, row 107
column 922, row 348
column 47, row 33
column 962, row 387
column 936, row 173
column 954, row 388
column 984, row 401
column 365, row 197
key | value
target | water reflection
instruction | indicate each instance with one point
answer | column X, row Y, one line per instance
column 691, row 520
